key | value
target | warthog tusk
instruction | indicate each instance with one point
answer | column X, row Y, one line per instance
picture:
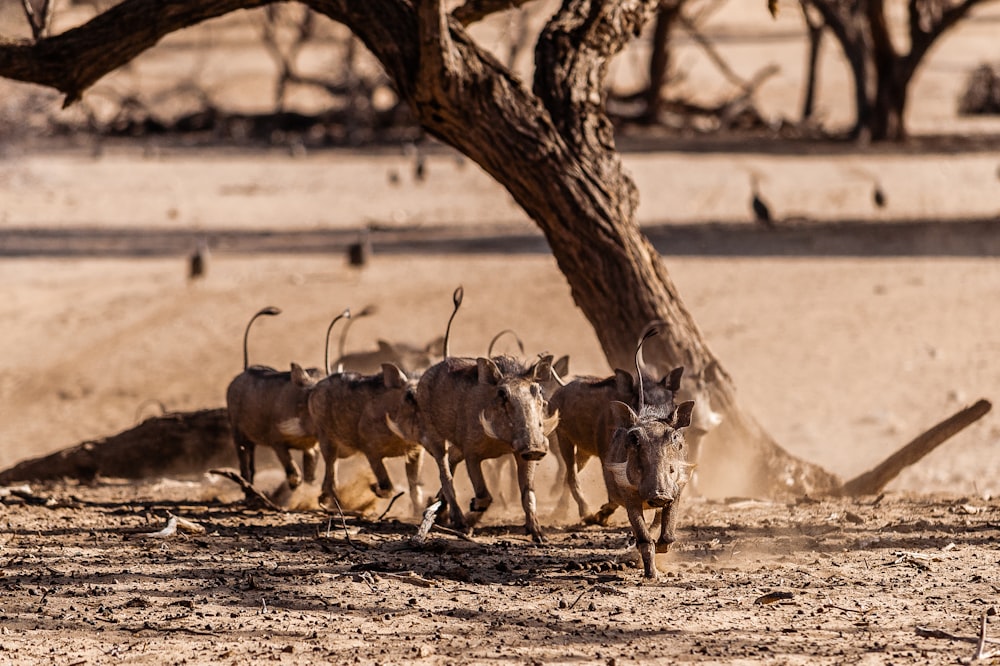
column 551, row 423
column 291, row 428
column 395, row 429
column 487, row 427
column 618, row 470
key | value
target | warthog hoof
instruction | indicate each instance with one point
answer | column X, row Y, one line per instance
column 381, row 492
column 663, row 546
column 536, row 536
column 294, row 481
column 596, row 519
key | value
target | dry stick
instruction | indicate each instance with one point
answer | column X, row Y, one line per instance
column 981, row 652
column 247, row 487
column 454, row 533
column 391, row 502
column 875, row 480
column 343, row 522
column 428, row 521
column 925, row 632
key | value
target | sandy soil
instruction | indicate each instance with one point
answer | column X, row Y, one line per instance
column 844, row 349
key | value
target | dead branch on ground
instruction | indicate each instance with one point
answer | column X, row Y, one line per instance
column 874, row 480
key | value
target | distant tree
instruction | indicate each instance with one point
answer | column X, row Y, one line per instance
column 882, row 70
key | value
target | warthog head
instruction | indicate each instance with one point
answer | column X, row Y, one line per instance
column 403, row 416
column 654, row 452
column 513, row 408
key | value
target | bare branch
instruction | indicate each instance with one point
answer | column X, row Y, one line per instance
column 74, row 60
column 39, row 23
column 476, row 10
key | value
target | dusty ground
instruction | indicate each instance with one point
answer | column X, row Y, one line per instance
column 859, row 582
column 844, row 341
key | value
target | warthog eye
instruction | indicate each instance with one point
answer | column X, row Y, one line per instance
column 503, row 393
column 535, row 390
column 633, row 439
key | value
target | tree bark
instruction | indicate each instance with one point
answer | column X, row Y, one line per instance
column 553, row 149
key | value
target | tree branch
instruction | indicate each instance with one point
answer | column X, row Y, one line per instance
column 74, row 60
column 476, row 10
column 921, row 40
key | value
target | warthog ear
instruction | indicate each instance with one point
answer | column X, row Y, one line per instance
column 561, row 367
column 550, row 423
column 673, row 380
column 681, row 417
column 300, row 377
column 542, row 371
column 622, row 415
column 624, row 384
column 489, row 373
column 392, row 376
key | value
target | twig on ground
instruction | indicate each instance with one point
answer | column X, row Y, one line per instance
column 343, row 522
column 247, row 487
column 391, row 502
column 409, row 577
column 849, row 610
column 187, row 526
column 981, row 652
column 455, row 533
column 428, row 521
column 167, row 531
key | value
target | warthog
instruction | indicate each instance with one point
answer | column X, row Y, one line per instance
column 268, row 407
column 644, row 468
column 375, row 415
column 407, row 357
column 477, row 409
column 586, row 421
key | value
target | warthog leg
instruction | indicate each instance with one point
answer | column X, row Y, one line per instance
column 383, row 484
column 245, row 452
column 602, row 516
column 526, row 482
column 483, row 498
column 310, row 461
column 568, row 453
column 414, row 461
column 446, row 462
column 329, row 491
column 643, row 541
column 668, row 526
column 292, row 472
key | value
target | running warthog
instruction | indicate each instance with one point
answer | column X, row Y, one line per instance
column 586, row 420
column 268, row 407
column 645, row 468
column 375, row 415
column 476, row 409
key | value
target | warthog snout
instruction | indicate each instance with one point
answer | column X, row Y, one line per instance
column 659, row 501
column 533, row 455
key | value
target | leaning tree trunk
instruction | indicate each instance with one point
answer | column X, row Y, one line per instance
column 552, row 148
column 574, row 186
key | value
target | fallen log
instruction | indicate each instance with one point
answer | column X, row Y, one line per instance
column 874, row 480
column 175, row 444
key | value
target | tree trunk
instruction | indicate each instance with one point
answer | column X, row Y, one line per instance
column 814, row 32
column 659, row 59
